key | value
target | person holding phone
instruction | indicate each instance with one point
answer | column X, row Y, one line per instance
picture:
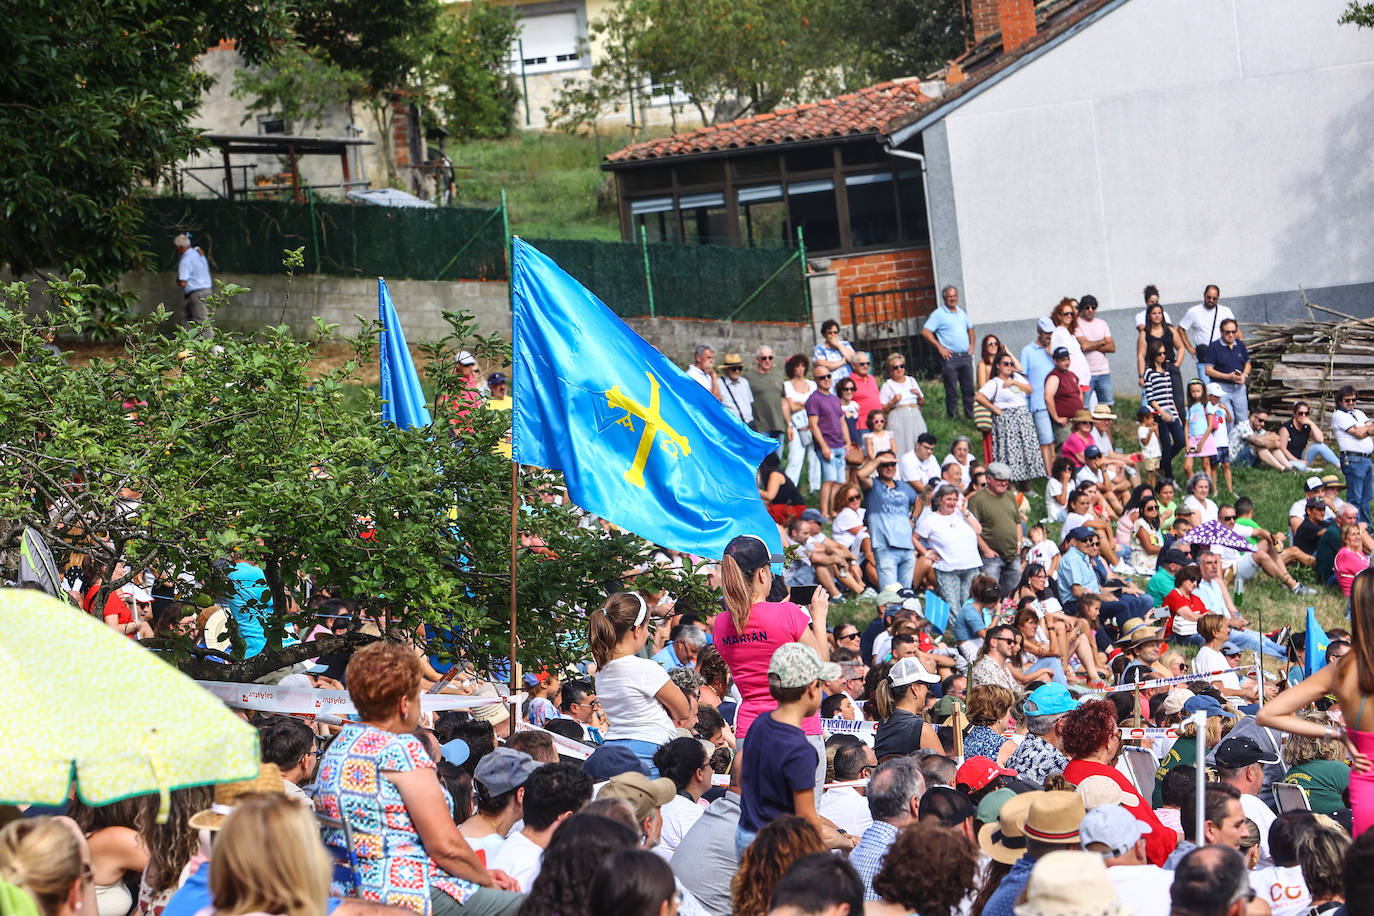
column 753, row 627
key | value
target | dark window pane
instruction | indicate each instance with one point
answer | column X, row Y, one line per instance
column 811, row 205
column 657, row 216
column 762, row 216
column 872, row 210
column 863, row 153
column 711, row 172
column 651, row 179
column 756, row 166
column 912, row 200
column 811, row 159
column 705, row 220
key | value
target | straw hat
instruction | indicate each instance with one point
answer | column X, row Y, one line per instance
column 495, row 713
column 1103, row 412
column 267, row 782
column 731, row 360
column 1004, row 839
column 1054, row 818
column 1071, row 883
column 1083, row 416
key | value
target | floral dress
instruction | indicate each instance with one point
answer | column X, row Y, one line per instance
column 393, row 866
column 982, row 741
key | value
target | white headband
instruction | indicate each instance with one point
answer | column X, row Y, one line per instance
column 643, row 610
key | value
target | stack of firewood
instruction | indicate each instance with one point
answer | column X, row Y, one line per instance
column 1308, row 361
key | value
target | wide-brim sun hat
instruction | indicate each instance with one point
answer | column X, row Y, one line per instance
column 1071, row 882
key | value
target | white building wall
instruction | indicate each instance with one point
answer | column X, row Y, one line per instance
column 1175, row 142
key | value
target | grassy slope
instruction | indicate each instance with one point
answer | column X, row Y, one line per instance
column 1265, row 601
column 554, row 185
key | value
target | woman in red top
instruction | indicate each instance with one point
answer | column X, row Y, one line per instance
column 1092, row 742
column 1185, row 609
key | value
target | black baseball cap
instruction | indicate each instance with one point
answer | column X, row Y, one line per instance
column 948, row 806
column 1060, row 353
column 1174, row 556
column 750, row 553
column 1144, row 412
column 496, row 378
column 1234, row 753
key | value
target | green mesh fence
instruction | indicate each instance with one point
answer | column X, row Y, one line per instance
column 689, row 281
column 349, row 240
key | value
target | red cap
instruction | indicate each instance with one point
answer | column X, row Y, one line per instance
column 977, row 772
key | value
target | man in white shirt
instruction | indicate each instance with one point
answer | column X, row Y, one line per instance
column 193, row 276
column 918, row 466
column 1201, row 325
column 1355, row 439
column 553, row 793
column 845, row 806
column 1113, row 832
column 704, row 369
column 1240, row 763
column 735, row 392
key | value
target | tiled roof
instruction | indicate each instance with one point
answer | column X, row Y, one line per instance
column 868, row 111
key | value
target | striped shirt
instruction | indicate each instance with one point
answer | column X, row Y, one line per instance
column 1159, row 390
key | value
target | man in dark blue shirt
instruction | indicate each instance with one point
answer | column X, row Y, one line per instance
column 1228, row 364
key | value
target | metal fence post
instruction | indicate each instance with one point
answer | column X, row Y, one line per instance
column 314, row 230
column 505, row 230
column 806, row 282
column 648, row 277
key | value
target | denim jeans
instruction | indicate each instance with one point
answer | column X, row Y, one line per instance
column 644, row 750
column 1101, row 385
column 1171, row 443
column 954, row 585
column 1006, row 572
column 1252, row 640
column 1358, row 471
column 895, row 565
column 1052, row 665
column 1044, row 426
column 1320, row 450
column 1126, row 607
column 1237, row 400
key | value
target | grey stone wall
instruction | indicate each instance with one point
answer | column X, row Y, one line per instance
column 421, row 303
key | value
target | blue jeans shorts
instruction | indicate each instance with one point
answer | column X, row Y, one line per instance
column 832, row 471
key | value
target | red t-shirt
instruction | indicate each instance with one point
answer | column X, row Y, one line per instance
column 1160, row 841
column 866, row 396
column 114, row 607
column 770, row 625
column 1175, row 600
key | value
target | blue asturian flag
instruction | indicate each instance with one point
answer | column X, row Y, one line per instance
column 1314, row 647
column 403, row 400
column 639, row 442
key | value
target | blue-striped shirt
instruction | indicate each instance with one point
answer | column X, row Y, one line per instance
column 867, row 857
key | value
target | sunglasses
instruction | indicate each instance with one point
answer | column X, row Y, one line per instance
column 1303, row 413
column 764, row 359
column 879, row 421
column 1228, row 518
column 888, row 464
column 851, row 499
column 899, row 366
column 850, row 635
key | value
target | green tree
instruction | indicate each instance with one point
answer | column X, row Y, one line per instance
column 97, row 99
column 465, row 69
column 1361, row 14
column 240, row 452
column 890, row 39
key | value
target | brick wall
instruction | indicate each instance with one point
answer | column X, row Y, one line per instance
column 1018, row 22
column 985, row 20
column 864, row 273
column 1015, row 19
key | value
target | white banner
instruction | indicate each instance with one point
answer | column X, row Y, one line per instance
column 847, row 727
column 309, row 701
column 1128, row 732
column 1243, row 671
column 566, row 747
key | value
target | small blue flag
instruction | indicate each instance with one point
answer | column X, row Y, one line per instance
column 936, row 611
column 1314, row 648
column 639, row 442
column 403, row 400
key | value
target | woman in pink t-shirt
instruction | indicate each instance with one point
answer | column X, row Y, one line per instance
column 753, row 628
column 1350, row 559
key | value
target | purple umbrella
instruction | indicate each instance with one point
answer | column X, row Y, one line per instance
column 1215, row 533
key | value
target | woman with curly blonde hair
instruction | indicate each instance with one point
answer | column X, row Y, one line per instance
column 1318, row 765
column 928, row 870
column 767, row 859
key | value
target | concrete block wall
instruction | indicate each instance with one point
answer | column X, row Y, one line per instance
column 421, row 303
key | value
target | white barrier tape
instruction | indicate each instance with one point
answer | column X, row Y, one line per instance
column 1180, row 679
column 307, row 700
column 1133, row 733
column 723, row 779
column 565, row 746
column 847, row 727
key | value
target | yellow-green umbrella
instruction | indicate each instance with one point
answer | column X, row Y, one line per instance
column 81, row 701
